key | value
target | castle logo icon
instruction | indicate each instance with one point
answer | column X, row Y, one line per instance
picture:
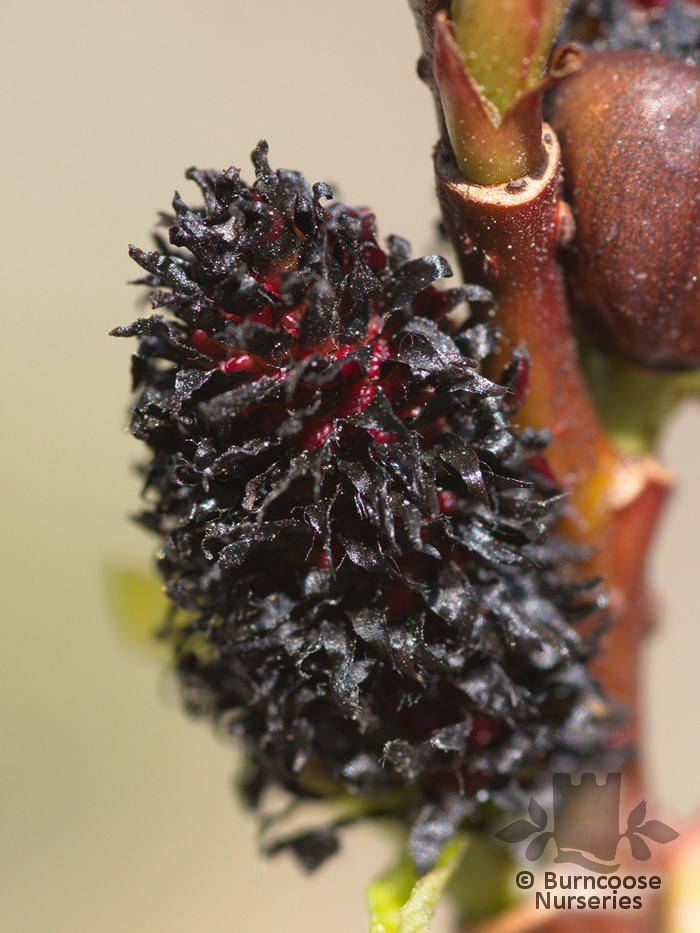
column 586, row 825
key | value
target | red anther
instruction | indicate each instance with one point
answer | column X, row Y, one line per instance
column 290, row 321
column 322, row 560
column 482, row 732
column 273, row 233
column 372, row 254
column 384, row 437
column 351, row 371
column 270, row 420
column 447, row 501
column 374, row 326
column 412, row 411
column 341, row 352
column 540, row 463
column 394, row 388
column 263, row 316
column 367, row 223
column 382, row 352
column 354, row 399
column 433, row 304
column 202, row 341
column 435, row 429
column 239, row 362
column 313, row 434
column 400, row 601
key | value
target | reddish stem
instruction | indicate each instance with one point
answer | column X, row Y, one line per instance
column 507, row 237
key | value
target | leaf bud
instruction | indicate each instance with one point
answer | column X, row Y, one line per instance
column 629, row 126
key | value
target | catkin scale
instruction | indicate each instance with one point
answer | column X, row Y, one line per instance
column 629, row 127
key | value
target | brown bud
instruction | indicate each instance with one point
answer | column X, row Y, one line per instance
column 629, row 127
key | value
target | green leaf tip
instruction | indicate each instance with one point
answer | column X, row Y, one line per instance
column 506, row 43
column 492, row 66
column 138, row 606
column 401, row 902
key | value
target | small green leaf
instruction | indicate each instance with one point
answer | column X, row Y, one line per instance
column 482, row 886
column 138, row 606
column 388, row 894
column 400, row 902
column 506, row 43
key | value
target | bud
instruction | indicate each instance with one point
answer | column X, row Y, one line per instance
column 629, row 127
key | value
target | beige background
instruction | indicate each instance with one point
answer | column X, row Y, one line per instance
column 115, row 812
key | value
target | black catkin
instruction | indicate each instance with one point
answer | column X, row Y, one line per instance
column 669, row 27
column 355, row 539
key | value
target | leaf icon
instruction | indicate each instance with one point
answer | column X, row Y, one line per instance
column 658, row 831
column 537, row 814
column 536, row 847
column 637, row 815
column 516, row 832
column 640, row 850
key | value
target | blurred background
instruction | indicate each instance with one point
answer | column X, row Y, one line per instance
column 116, row 812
